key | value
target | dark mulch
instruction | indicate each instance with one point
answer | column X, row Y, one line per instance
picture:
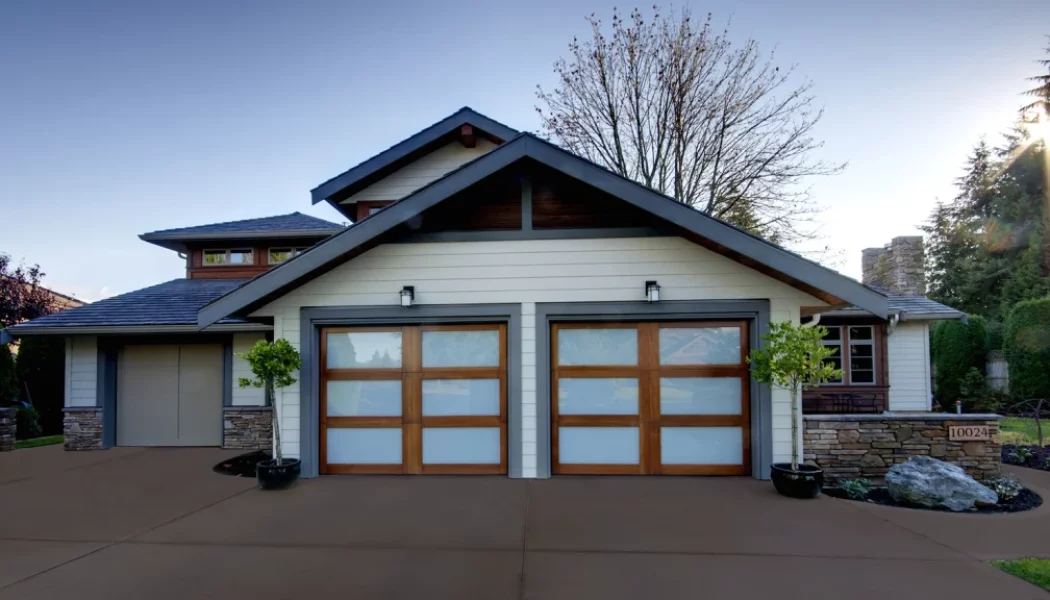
column 242, row 465
column 1026, row 500
column 1039, row 457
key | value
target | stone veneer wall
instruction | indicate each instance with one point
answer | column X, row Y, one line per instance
column 82, row 428
column 7, row 428
column 247, row 427
column 853, row 446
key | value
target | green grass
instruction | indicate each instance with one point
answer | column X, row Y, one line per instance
column 1032, row 570
column 1019, row 430
column 40, row 441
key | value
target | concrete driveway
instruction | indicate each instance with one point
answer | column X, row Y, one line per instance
column 133, row 523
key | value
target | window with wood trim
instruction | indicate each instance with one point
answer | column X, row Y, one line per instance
column 414, row 399
column 214, row 258
column 855, row 355
column 279, row 255
column 650, row 398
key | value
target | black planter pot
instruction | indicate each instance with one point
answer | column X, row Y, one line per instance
column 803, row 483
column 273, row 477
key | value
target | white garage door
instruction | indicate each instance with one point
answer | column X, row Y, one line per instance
column 170, row 395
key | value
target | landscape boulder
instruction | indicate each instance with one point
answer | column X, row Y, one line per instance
column 934, row 483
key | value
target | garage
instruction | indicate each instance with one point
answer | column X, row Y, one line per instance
column 170, row 395
column 650, row 398
column 419, row 399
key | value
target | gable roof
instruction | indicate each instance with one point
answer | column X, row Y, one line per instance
column 758, row 252
column 293, row 225
column 909, row 307
column 393, row 158
column 172, row 303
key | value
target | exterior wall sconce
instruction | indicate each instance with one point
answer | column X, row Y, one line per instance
column 652, row 291
column 408, row 295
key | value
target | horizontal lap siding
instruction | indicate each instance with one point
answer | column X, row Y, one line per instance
column 81, row 371
column 909, row 358
column 413, row 176
column 532, row 271
column 248, row 396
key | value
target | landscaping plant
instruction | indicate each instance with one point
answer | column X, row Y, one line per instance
column 273, row 364
column 1007, row 486
column 856, row 489
column 793, row 358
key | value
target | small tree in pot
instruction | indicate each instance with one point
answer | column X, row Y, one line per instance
column 273, row 364
column 793, row 358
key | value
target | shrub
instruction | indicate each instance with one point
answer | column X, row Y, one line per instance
column 1026, row 347
column 27, row 423
column 957, row 348
column 8, row 379
column 41, row 375
column 1007, row 486
column 856, row 489
column 977, row 395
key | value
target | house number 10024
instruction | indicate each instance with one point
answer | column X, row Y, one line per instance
column 969, row 433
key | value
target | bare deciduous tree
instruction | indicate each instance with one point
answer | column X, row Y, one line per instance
column 673, row 104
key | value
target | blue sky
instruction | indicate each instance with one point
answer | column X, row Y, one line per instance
column 118, row 118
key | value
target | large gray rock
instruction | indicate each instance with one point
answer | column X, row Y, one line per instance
column 930, row 482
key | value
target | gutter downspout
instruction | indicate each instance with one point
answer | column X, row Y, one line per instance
column 813, row 322
column 894, row 319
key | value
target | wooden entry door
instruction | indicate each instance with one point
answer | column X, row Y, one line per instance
column 414, row 399
column 650, row 398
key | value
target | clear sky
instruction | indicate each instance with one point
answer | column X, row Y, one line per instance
column 122, row 117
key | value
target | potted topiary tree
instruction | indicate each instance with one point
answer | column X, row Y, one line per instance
column 793, row 358
column 273, row 364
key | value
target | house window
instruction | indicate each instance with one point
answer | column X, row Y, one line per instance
column 856, row 346
column 374, row 209
column 279, row 255
column 226, row 257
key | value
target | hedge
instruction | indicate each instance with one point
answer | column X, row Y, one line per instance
column 1026, row 347
column 956, row 348
column 8, row 379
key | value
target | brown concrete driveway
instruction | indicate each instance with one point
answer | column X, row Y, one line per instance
column 157, row 524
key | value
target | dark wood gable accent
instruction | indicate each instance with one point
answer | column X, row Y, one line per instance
column 492, row 204
column 561, row 202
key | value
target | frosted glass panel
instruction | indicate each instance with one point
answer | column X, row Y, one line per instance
column 597, row 396
column 364, row 446
column 701, row 445
column 699, row 395
column 461, row 348
column 363, row 398
column 597, row 347
column 364, row 350
column 699, row 345
column 443, row 397
column 461, row 445
column 598, row 445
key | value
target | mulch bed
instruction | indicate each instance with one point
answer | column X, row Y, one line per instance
column 1040, row 456
column 242, row 465
column 1026, row 500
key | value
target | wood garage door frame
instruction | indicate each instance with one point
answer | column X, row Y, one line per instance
column 412, row 374
column 756, row 312
column 648, row 372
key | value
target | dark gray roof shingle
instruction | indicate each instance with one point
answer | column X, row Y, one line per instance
column 175, row 302
column 295, row 221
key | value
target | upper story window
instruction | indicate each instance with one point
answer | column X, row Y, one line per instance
column 279, row 255
column 214, row 258
column 854, row 348
column 374, row 209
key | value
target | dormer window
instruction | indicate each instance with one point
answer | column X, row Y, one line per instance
column 213, row 258
column 279, row 255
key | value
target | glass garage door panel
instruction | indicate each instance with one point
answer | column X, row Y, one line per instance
column 700, row 345
column 460, row 397
column 598, row 445
column 364, row 446
column 364, row 350
column 702, row 445
column 461, row 445
column 607, row 347
column 700, row 396
column 470, row 348
column 597, row 396
column 363, row 398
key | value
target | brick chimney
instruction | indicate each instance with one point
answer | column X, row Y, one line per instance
column 898, row 266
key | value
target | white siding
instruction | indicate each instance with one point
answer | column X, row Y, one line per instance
column 413, row 176
column 249, row 396
column 909, row 357
column 81, row 370
column 531, row 271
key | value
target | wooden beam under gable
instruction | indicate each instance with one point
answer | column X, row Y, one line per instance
column 466, row 136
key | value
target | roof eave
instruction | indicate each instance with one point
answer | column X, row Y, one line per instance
column 18, row 331
column 799, row 269
column 464, row 116
column 179, row 241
